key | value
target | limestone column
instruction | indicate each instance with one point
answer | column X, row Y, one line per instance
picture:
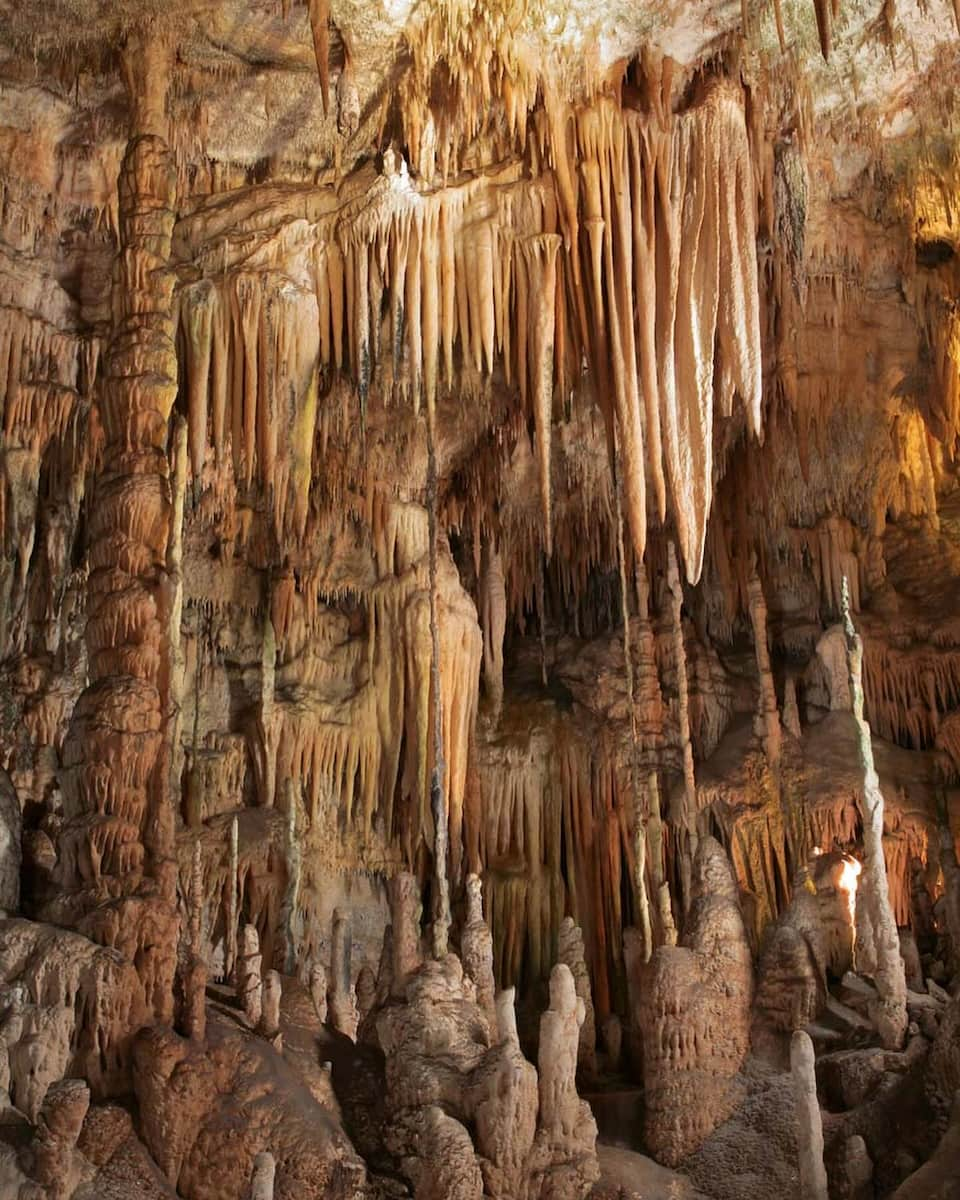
column 118, row 841
column 341, row 1003
column 270, row 1008
column 891, row 1007
column 768, row 715
column 405, row 909
column 249, row 977
column 687, row 833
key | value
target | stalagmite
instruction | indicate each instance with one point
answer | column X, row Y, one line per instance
column 314, row 422
column 687, row 826
column 791, row 713
column 660, row 886
column 270, row 718
column 813, row 1176
column 263, row 1177
column 291, row 898
column 318, row 991
column 694, row 1014
column 365, row 993
column 570, row 951
column 195, row 968
column 175, row 665
column 564, row 1119
column 341, row 1001
column 891, row 1013
column 405, row 910
column 768, row 717
column 269, row 1024
column 249, row 978
column 476, row 950
column 230, row 961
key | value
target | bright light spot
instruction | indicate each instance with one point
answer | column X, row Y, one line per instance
column 848, row 875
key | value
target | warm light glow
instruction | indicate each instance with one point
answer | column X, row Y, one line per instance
column 848, row 875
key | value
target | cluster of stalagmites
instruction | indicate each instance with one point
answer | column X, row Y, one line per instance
column 453, row 1063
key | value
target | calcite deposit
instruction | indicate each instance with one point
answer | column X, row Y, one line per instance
column 479, row 563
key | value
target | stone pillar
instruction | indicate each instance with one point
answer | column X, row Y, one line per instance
column 791, row 711
column 340, row 999
column 687, row 831
column 813, row 1175
column 118, row 837
column 476, row 951
column 405, row 908
column 270, row 1007
column 230, row 962
column 291, row 897
column 493, row 617
column 193, row 1016
column 891, row 1008
column 249, row 979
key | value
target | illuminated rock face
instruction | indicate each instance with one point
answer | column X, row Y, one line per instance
column 437, row 445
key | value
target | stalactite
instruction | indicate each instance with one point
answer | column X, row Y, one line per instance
column 493, row 616
column 687, row 827
column 824, row 11
column 319, row 27
column 541, row 260
column 640, row 832
column 891, row 1015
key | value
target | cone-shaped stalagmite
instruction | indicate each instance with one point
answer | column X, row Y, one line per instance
column 874, row 892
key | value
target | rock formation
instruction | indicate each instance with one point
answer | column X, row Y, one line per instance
column 448, row 442
column 695, row 1015
column 570, row 952
column 813, row 1176
column 476, row 947
column 813, row 939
